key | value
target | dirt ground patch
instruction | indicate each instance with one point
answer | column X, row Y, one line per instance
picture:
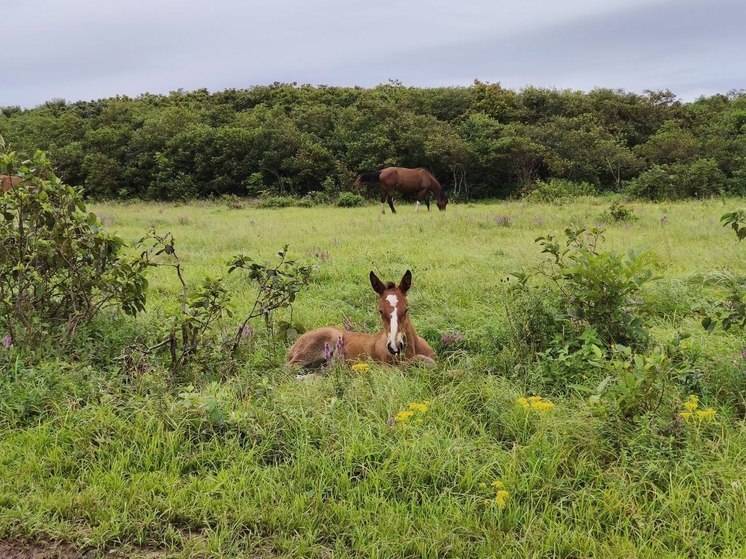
column 39, row 550
column 16, row 549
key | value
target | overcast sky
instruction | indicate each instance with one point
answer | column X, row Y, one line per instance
column 87, row 49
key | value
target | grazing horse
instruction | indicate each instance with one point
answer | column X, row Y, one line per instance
column 9, row 181
column 396, row 342
column 418, row 182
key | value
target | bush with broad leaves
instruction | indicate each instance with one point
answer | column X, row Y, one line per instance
column 58, row 267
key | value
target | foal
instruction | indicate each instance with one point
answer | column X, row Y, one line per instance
column 397, row 342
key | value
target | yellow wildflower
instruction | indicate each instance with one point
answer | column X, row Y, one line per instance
column 361, row 367
column 706, row 414
column 403, row 416
column 536, row 403
column 543, row 405
column 421, row 407
column 691, row 404
column 501, row 494
column 691, row 410
column 414, row 409
column 501, row 498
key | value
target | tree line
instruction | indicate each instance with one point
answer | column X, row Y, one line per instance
column 480, row 141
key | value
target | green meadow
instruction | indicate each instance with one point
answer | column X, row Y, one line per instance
column 250, row 462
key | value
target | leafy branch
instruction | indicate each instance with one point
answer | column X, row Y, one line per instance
column 731, row 311
column 278, row 286
column 737, row 222
column 198, row 313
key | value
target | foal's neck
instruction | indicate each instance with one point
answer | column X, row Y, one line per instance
column 410, row 349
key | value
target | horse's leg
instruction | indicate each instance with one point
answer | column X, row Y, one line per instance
column 391, row 204
column 383, row 202
column 417, row 206
column 423, row 195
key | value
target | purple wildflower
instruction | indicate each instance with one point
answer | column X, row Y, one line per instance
column 7, row 341
column 247, row 331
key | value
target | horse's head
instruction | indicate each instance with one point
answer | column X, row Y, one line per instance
column 394, row 310
column 366, row 179
column 442, row 201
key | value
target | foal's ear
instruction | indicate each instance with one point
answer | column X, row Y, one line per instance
column 406, row 282
column 377, row 284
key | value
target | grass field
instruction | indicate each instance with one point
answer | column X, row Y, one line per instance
column 257, row 464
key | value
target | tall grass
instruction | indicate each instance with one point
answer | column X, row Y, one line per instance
column 260, row 465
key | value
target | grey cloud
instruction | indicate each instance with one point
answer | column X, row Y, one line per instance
column 691, row 47
column 82, row 49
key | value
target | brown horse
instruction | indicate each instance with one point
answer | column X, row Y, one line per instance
column 397, row 342
column 413, row 182
column 9, row 181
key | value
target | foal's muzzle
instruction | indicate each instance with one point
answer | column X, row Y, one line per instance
column 396, row 349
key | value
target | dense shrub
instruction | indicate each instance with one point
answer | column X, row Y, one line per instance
column 597, row 289
column 657, row 183
column 277, row 202
column 58, row 267
column 700, row 178
column 618, row 213
column 350, row 200
column 558, row 190
column 315, row 198
column 480, row 141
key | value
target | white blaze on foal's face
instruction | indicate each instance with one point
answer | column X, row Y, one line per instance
column 395, row 339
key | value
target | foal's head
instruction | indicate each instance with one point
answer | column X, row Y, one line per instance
column 394, row 310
